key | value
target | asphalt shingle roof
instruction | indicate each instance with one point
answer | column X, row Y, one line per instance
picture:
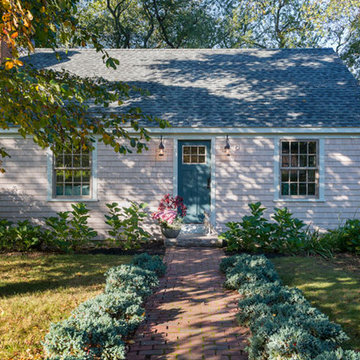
column 229, row 88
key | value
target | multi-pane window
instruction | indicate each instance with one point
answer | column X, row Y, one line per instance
column 194, row 154
column 72, row 173
column 299, row 169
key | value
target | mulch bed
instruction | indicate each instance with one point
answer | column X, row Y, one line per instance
column 152, row 248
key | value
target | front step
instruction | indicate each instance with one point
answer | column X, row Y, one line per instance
column 194, row 240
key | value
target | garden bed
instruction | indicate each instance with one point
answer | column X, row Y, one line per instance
column 152, row 248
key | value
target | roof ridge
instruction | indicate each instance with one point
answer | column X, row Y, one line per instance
column 192, row 49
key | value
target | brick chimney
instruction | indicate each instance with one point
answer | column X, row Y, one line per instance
column 4, row 51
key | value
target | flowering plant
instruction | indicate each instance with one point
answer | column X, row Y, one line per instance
column 170, row 212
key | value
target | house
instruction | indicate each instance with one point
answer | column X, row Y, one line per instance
column 277, row 126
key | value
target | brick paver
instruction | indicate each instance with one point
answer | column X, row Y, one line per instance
column 191, row 316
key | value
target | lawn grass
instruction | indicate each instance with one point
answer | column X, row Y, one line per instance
column 333, row 286
column 38, row 289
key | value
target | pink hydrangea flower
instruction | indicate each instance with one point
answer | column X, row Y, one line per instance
column 167, row 216
column 170, row 209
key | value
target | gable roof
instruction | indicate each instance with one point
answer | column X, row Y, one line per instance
column 229, row 87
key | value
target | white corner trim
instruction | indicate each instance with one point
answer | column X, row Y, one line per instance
column 213, row 182
column 277, row 173
column 94, row 178
column 49, row 162
column 322, row 166
column 276, row 160
column 94, row 172
column 175, row 167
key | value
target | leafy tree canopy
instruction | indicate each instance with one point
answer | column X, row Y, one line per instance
column 53, row 107
column 227, row 23
column 151, row 23
column 298, row 23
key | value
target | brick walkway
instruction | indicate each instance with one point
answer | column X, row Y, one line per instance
column 191, row 317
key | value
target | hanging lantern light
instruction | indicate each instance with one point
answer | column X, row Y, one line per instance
column 227, row 146
column 161, row 147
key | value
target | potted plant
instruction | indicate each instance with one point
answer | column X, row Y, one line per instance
column 169, row 215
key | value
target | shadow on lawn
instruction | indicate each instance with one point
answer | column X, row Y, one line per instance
column 50, row 274
column 25, row 287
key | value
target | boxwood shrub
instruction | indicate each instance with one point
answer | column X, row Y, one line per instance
column 282, row 322
column 99, row 327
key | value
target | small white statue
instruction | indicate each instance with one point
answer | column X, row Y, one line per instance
column 209, row 228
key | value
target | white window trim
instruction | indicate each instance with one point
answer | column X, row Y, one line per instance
column 321, row 197
column 94, row 179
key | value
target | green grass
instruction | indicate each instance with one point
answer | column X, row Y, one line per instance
column 333, row 286
column 38, row 289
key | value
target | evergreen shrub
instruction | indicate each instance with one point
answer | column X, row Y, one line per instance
column 282, row 322
column 99, row 328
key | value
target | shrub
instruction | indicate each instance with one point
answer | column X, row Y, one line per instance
column 26, row 236
column 69, row 230
column 59, row 230
column 228, row 262
column 153, row 263
column 286, row 234
column 319, row 244
column 117, row 304
column 293, row 342
column 249, row 268
column 126, row 225
column 80, row 232
column 4, row 234
column 100, row 327
column 258, row 305
column 282, row 322
column 22, row 236
column 258, row 287
column 346, row 237
column 339, row 354
column 131, row 278
column 251, row 234
column 310, row 319
column 89, row 338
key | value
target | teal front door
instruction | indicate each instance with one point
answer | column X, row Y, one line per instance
column 194, row 178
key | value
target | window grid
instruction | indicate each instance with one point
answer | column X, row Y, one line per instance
column 72, row 173
column 299, row 170
column 193, row 154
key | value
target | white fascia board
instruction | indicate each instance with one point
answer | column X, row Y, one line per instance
column 235, row 131
column 254, row 131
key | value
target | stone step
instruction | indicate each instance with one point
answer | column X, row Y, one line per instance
column 194, row 240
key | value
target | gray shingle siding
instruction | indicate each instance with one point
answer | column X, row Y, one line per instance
column 229, row 87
